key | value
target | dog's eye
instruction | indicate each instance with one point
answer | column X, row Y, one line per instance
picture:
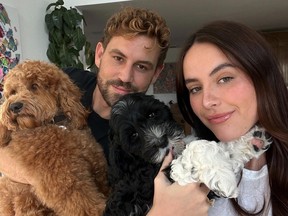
column 12, row 92
column 134, row 135
column 151, row 115
column 34, row 87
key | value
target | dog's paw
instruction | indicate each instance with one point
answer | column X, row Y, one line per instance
column 259, row 140
column 262, row 140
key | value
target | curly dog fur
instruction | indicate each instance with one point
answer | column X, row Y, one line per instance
column 67, row 167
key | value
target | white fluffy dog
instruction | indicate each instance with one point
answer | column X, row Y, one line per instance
column 218, row 165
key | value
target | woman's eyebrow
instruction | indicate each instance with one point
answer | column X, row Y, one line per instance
column 220, row 67
column 215, row 70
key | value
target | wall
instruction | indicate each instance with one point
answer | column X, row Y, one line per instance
column 34, row 38
column 74, row 3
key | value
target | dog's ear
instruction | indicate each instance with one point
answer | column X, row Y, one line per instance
column 5, row 135
column 69, row 98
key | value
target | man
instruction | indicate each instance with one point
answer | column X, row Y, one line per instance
column 129, row 58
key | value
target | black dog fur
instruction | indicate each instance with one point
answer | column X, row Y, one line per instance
column 142, row 131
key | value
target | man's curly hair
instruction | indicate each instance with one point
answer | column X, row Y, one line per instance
column 130, row 22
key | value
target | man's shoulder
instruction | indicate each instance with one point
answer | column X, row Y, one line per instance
column 78, row 74
column 82, row 78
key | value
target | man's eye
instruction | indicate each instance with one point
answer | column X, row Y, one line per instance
column 142, row 67
column 118, row 58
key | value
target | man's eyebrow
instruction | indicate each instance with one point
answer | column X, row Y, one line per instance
column 117, row 51
column 215, row 70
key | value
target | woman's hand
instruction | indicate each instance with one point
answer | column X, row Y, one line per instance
column 174, row 199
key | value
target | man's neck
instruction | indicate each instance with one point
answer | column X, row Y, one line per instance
column 99, row 104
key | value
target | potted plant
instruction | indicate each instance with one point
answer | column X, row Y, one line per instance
column 66, row 37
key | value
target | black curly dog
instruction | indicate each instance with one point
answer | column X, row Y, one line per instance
column 142, row 131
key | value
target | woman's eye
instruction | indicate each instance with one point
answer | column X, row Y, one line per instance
column 194, row 90
column 225, row 79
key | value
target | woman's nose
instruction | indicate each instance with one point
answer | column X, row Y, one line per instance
column 210, row 98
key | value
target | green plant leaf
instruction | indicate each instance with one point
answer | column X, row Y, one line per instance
column 66, row 36
column 68, row 31
column 57, row 18
column 72, row 18
column 52, row 53
column 79, row 39
column 56, row 4
column 49, row 22
column 57, row 38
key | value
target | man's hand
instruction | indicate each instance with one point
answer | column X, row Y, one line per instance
column 173, row 199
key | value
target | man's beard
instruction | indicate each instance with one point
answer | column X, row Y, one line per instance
column 109, row 97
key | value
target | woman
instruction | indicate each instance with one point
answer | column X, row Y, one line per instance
column 228, row 81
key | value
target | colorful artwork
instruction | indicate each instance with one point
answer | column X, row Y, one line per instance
column 165, row 83
column 10, row 50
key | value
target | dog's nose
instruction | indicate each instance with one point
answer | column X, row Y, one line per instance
column 163, row 141
column 16, row 107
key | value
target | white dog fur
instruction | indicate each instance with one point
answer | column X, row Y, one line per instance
column 217, row 165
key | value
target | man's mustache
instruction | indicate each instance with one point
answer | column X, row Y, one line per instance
column 126, row 85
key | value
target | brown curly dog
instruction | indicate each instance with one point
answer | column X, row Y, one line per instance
column 66, row 165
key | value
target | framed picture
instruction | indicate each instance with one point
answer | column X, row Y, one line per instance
column 165, row 83
column 10, row 46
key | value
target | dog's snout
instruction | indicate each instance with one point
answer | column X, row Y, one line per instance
column 16, row 107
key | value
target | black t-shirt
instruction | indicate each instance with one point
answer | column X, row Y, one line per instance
column 86, row 81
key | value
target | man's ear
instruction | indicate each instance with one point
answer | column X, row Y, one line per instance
column 157, row 73
column 98, row 53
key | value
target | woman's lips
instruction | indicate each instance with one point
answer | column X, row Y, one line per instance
column 219, row 118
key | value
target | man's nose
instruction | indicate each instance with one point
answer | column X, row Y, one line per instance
column 126, row 74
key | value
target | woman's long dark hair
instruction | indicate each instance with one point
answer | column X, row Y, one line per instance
column 250, row 51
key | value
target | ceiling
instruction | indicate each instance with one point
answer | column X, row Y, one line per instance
column 186, row 16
